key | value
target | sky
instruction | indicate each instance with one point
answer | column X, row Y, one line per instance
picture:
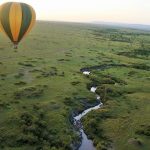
column 119, row 11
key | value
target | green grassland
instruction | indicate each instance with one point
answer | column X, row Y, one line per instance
column 41, row 86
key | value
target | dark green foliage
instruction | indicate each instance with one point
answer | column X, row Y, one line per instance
column 132, row 73
column 21, row 83
column 63, row 60
column 62, row 74
column 69, row 101
column 26, row 64
column 3, row 75
column 75, row 82
column 138, row 53
column 141, row 66
column 102, row 91
column 145, row 130
column 30, row 92
column 118, row 80
column 34, row 129
column 93, row 127
column 119, row 38
column 19, row 75
column 4, row 105
column 49, row 72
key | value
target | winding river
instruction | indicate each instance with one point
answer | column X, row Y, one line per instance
column 86, row 143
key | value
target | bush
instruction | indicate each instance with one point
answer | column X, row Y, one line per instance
column 144, row 131
column 141, row 66
column 26, row 64
column 21, row 83
column 68, row 101
column 132, row 73
column 4, row 105
column 34, row 129
column 75, row 82
column 19, row 75
column 117, row 80
column 101, row 90
column 62, row 74
column 52, row 72
column 107, row 81
column 30, row 92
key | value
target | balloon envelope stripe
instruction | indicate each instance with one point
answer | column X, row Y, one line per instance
column 15, row 17
column 32, row 20
column 4, row 17
column 26, row 20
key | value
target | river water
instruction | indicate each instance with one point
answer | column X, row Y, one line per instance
column 86, row 144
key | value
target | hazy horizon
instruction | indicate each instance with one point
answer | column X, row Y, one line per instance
column 116, row 11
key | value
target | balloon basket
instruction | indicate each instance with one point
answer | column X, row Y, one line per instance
column 15, row 46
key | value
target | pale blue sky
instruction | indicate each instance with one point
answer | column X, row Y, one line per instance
column 125, row 11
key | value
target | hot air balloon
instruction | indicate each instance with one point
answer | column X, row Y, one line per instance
column 16, row 20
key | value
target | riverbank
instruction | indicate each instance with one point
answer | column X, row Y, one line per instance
column 86, row 144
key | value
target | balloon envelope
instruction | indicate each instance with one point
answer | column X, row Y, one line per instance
column 16, row 20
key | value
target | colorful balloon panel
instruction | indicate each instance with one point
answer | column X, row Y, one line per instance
column 16, row 20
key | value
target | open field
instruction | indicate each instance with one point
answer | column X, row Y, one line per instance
column 41, row 86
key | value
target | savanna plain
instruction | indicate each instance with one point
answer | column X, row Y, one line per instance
column 42, row 87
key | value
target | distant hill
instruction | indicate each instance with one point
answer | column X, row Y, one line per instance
column 125, row 25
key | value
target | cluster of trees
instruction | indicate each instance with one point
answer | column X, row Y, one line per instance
column 120, row 38
column 143, row 51
column 145, row 130
column 32, row 129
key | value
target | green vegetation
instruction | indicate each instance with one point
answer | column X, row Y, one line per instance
column 41, row 87
column 30, row 92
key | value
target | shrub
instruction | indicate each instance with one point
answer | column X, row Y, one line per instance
column 30, row 92
column 21, row 83
column 62, row 74
column 26, row 64
column 145, row 130
column 102, row 91
column 141, row 66
column 4, row 105
column 19, row 75
column 75, row 82
column 132, row 73
column 51, row 72
column 3, row 75
column 68, row 101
